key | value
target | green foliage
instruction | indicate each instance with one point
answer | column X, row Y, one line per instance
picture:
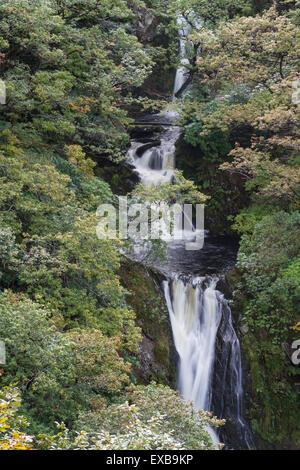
column 264, row 260
column 247, row 219
column 65, row 66
column 50, row 251
column 274, row 410
column 181, row 425
column 216, row 145
column 12, row 424
column 74, row 273
column 178, row 192
column 246, row 115
column 39, row 359
column 58, row 373
column 248, row 50
column 158, row 420
column 267, row 295
column 212, row 12
column 58, row 259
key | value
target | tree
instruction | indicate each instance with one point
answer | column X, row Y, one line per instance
column 179, row 191
column 57, row 373
column 265, row 259
column 271, row 178
column 164, row 420
column 211, row 13
column 39, row 359
column 12, row 436
column 250, row 50
column 258, row 55
column 270, row 165
column 66, row 65
column 99, row 366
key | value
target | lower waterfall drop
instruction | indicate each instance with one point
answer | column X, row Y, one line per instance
column 195, row 317
column 196, row 311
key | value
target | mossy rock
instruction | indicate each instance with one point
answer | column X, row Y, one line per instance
column 273, row 404
column 157, row 356
column 226, row 191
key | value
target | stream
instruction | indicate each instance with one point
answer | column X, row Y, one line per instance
column 209, row 357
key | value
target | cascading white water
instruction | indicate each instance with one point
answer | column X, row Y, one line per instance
column 186, row 50
column 182, row 72
column 234, row 387
column 196, row 310
column 195, row 315
column 156, row 165
column 195, row 307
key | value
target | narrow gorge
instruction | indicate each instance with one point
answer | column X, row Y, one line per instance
column 209, row 355
column 149, row 227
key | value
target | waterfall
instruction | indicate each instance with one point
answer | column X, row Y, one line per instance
column 182, row 72
column 227, row 400
column 195, row 316
column 197, row 312
column 155, row 165
column 210, row 368
column 186, row 49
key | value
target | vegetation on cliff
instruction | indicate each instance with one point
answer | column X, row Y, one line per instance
column 241, row 121
column 72, row 314
column 71, row 71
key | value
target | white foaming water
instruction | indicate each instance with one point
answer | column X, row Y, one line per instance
column 199, row 314
column 156, row 165
column 195, row 311
column 236, row 387
column 185, row 46
column 182, row 72
column 195, row 315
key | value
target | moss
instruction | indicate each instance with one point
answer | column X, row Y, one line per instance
column 227, row 194
column 162, row 351
column 146, row 299
column 273, row 401
column 120, row 177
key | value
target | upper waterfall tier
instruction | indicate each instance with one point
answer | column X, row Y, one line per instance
column 209, row 369
column 155, row 164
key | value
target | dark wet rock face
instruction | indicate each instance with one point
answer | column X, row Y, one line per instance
column 228, row 386
column 208, row 351
column 147, row 146
column 156, row 359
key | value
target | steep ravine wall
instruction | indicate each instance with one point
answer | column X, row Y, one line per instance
column 156, row 359
column 226, row 192
column 269, row 409
column 224, row 400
